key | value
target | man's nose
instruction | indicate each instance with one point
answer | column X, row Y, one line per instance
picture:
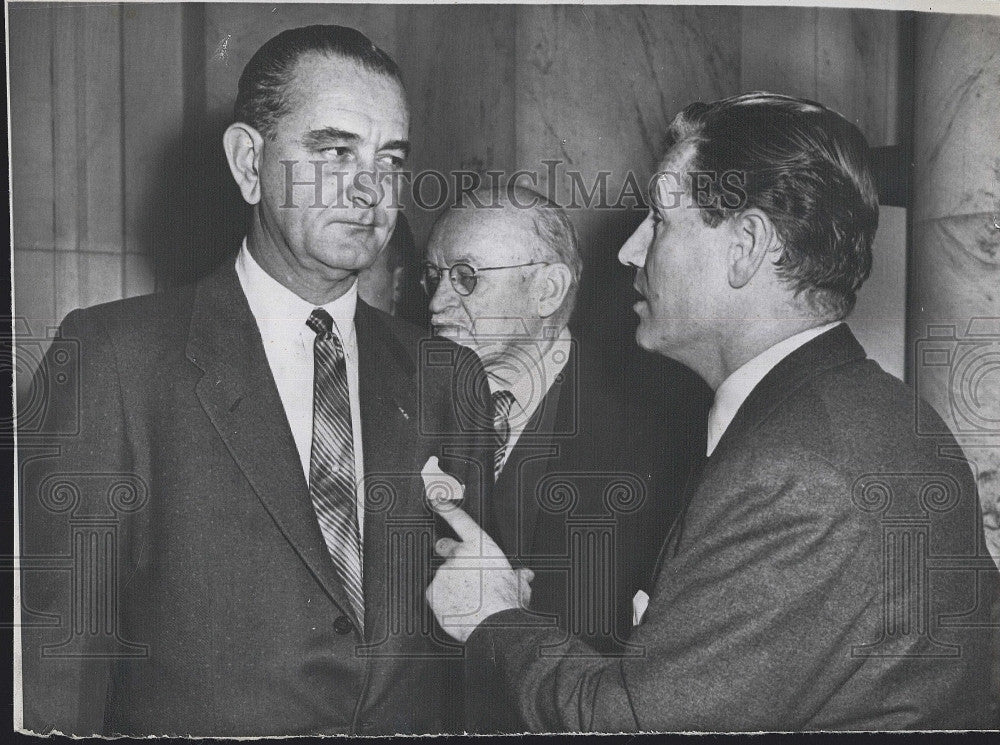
column 444, row 295
column 633, row 253
column 364, row 188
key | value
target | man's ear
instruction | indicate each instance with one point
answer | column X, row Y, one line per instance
column 554, row 283
column 243, row 145
column 754, row 236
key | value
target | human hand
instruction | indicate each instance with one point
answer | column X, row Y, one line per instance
column 440, row 487
column 476, row 579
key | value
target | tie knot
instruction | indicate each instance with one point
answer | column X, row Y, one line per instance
column 320, row 322
column 502, row 403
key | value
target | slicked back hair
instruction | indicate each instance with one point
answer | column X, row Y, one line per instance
column 808, row 169
column 264, row 97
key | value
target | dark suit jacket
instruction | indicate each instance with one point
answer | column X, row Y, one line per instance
column 169, row 495
column 586, row 485
column 830, row 573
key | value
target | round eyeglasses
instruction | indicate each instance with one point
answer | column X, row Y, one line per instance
column 463, row 276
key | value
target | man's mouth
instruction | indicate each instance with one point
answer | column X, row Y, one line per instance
column 638, row 298
column 444, row 327
column 354, row 225
column 364, row 223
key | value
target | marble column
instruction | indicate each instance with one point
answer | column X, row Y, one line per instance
column 954, row 303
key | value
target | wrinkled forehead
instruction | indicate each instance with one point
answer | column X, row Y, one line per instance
column 334, row 84
column 494, row 236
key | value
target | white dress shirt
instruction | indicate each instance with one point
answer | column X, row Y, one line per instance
column 737, row 387
column 288, row 343
column 530, row 388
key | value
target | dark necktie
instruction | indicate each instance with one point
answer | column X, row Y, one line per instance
column 331, row 462
column 502, row 403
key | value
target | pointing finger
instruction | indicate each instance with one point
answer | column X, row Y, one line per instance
column 440, row 487
column 465, row 527
column 445, row 547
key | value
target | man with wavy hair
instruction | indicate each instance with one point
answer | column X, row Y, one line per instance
column 830, row 570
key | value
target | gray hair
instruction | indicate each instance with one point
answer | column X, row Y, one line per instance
column 549, row 222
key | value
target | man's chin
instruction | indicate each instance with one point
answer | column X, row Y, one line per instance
column 350, row 253
column 671, row 342
column 648, row 340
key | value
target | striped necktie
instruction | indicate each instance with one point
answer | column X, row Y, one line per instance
column 502, row 403
column 331, row 462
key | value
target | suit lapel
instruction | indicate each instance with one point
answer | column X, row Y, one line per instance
column 515, row 507
column 240, row 398
column 829, row 350
column 556, row 430
column 390, row 438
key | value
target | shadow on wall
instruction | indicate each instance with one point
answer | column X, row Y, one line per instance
column 667, row 389
column 196, row 215
column 605, row 298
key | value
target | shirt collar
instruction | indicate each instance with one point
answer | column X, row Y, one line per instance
column 737, row 387
column 272, row 303
column 529, row 389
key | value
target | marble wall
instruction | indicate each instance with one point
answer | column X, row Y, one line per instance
column 847, row 60
column 596, row 89
column 954, row 326
column 68, row 205
column 120, row 186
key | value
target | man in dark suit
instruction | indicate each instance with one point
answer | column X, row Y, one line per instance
column 830, row 569
column 573, row 485
column 236, row 491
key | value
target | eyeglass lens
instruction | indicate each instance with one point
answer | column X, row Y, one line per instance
column 462, row 277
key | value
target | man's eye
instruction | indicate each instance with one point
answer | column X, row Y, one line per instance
column 392, row 162
column 339, row 151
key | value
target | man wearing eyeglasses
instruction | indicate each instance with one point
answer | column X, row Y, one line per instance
column 570, row 477
column 830, row 570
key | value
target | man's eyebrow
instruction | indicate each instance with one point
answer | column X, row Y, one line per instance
column 315, row 137
column 403, row 145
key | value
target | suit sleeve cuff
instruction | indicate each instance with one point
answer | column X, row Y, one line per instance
column 506, row 631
